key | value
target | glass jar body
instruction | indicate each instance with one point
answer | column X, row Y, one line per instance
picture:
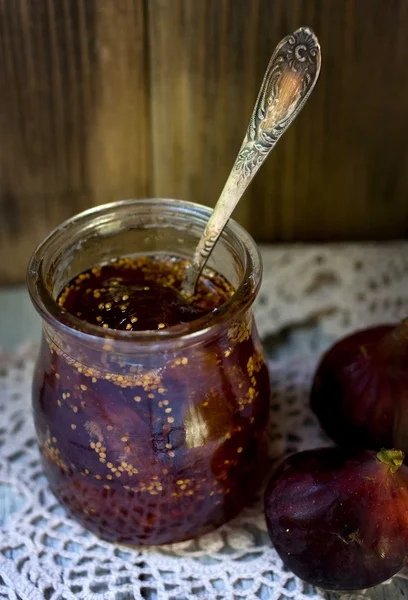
column 154, row 440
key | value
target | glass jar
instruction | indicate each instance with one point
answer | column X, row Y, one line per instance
column 156, row 436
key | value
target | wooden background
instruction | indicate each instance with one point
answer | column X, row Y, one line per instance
column 109, row 99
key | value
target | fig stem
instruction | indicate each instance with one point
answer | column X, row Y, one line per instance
column 363, row 350
column 392, row 458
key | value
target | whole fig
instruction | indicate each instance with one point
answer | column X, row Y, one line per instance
column 360, row 389
column 339, row 518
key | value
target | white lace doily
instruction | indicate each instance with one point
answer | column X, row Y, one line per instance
column 341, row 287
column 46, row 555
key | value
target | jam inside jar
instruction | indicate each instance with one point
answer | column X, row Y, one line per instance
column 150, row 412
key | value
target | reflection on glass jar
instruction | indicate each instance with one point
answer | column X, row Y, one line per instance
column 149, row 437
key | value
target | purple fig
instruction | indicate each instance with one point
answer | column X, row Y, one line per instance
column 360, row 389
column 339, row 518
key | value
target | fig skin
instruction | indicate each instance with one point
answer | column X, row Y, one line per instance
column 338, row 518
column 360, row 389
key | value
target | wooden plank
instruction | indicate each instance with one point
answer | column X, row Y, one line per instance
column 340, row 172
column 106, row 99
column 73, row 115
column 120, row 140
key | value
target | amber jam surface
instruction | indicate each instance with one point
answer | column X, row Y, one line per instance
column 139, row 294
column 151, row 447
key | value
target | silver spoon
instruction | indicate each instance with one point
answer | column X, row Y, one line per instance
column 288, row 82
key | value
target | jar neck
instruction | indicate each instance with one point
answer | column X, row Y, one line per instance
column 140, row 227
column 88, row 353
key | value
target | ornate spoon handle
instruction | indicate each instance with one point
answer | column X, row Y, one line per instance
column 289, row 80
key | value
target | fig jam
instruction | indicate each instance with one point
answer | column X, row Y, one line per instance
column 151, row 447
column 142, row 294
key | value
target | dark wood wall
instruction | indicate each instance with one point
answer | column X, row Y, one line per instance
column 109, row 99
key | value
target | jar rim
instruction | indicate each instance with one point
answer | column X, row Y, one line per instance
column 53, row 313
